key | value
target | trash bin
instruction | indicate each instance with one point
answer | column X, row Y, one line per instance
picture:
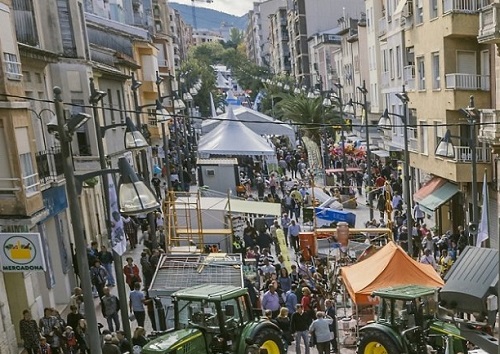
column 308, row 245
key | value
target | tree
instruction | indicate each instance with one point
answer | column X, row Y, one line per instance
column 309, row 113
column 235, row 37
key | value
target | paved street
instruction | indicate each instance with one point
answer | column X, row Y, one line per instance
column 362, row 215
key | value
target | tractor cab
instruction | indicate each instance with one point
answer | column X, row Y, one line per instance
column 407, row 323
column 212, row 319
column 220, row 318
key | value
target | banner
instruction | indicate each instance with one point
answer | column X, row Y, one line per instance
column 22, row 252
column 483, row 229
column 117, row 238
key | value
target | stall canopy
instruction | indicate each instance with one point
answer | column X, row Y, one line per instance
column 435, row 193
column 390, row 266
column 258, row 122
column 231, row 137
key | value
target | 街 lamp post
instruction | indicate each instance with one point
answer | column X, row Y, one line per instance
column 364, row 104
column 64, row 132
column 385, row 123
column 39, row 117
column 446, row 149
column 345, row 183
column 145, row 169
column 133, row 140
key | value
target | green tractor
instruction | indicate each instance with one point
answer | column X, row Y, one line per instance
column 216, row 319
column 407, row 323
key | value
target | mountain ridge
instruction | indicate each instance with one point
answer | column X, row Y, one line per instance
column 208, row 18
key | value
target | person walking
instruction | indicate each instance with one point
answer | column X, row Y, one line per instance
column 136, row 304
column 73, row 317
column 110, row 307
column 321, row 329
column 139, row 337
column 418, row 214
column 271, row 301
column 106, row 258
column 283, row 322
column 131, row 227
column 131, row 272
column 299, row 325
column 285, row 224
column 293, row 232
column 29, row 332
column 330, row 311
column 123, row 343
column 98, row 275
column 82, row 337
column 291, row 299
column 49, row 328
column 147, row 269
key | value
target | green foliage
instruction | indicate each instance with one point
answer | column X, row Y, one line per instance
column 199, row 66
column 309, row 113
column 235, row 38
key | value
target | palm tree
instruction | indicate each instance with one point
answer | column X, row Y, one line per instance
column 309, row 113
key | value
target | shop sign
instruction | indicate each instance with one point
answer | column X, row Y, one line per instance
column 21, row 252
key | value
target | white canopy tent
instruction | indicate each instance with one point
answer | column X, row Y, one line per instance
column 258, row 122
column 231, row 137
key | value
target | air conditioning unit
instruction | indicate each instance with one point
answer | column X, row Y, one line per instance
column 210, row 172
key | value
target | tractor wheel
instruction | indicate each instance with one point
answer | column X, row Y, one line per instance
column 376, row 342
column 270, row 339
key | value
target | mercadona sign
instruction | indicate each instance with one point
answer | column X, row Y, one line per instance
column 21, row 252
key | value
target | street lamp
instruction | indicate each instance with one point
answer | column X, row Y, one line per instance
column 133, row 139
column 385, row 123
column 446, row 149
column 345, row 186
column 39, row 117
column 364, row 92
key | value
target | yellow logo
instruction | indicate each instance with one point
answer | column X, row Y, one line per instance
column 19, row 250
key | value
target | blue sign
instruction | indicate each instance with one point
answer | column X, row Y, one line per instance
column 55, row 200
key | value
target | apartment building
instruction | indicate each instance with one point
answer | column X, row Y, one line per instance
column 280, row 59
column 306, row 18
column 202, row 36
column 448, row 68
column 489, row 130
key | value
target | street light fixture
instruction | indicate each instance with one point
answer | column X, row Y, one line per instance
column 446, row 149
column 385, row 123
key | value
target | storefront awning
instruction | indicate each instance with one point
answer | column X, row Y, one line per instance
column 435, row 193
column 381, row 153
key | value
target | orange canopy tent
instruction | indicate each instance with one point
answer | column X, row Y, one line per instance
column 390, row 266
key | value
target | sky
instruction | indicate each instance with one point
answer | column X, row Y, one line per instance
column 233, row 7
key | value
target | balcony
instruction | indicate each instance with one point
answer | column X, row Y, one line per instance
column 382, row 27
column 488, row 130
column 463, row 154
column 459, row 81
column 464, row 6
column 489, row 24
column 409, row 77
column 24, row 19
column 49, row 165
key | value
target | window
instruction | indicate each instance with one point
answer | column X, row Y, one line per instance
column 433, row 5
column 391, row 63
column 421, row 73
column 419, row 16
column 398, row 62
column 439, row 132
column 12, row 66
column 436, row 80
column 29, row 175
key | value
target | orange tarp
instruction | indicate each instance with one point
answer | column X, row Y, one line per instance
column 390, row 266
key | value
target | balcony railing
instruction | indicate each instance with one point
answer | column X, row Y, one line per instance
column 463, row 154
column 464, row 6
column 459, row 81
column 382, row 26
column 409, row 76
column 49, row 165
column 489, row 23
column 488, row 130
